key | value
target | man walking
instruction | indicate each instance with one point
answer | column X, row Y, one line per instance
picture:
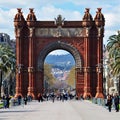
column 116, row 102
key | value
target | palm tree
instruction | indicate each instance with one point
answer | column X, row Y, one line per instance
column 113, row 48
column 7, row 61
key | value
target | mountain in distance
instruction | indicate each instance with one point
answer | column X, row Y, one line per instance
column 60, row 61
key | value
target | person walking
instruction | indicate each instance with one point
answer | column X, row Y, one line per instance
column 8, row 101
column 40, row 97
column 116, row 102
column 4, row 101
column 19, row 99
column 25, row 100
column 109, row 102
column 53, row 97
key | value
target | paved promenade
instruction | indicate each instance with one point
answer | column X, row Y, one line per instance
column 68, row 110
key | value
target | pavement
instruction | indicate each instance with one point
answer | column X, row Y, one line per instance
column 67, row 110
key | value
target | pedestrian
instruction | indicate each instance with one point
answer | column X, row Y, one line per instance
column 19, row 100
column 53, row 97
column 116, row 102
column 109, row 102
column 40, row 97
column 29, row 97
column 8, row 101
column 4, row 101
column 25, row 100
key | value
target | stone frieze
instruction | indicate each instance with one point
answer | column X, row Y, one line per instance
column 59, row 32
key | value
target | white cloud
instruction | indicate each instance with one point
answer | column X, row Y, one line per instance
column 108, row 33
column 112, row 19
column 59, row 52
column 50, row 12
column 6, row 21
column 47, row 10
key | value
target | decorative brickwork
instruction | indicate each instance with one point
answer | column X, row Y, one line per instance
column 36, row 39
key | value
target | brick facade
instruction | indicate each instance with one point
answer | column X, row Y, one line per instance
column 36, row 39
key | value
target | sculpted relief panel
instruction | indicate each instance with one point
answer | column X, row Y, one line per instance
column 58, row 32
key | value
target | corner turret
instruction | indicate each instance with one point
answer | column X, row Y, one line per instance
column 31, row 18
column 87, row 18
column 19, row 19
column 99, row 18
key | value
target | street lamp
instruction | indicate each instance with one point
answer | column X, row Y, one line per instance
column 99, row 67
column 19, row 67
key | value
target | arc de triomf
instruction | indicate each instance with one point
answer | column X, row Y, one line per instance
column 36, row 39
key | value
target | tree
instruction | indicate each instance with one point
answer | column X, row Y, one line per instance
column 71, row 78
column 113, row 48
column 48, row 77
column 7, row 62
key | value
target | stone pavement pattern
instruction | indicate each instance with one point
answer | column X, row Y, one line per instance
column 68, row 110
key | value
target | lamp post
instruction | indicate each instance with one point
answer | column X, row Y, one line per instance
column 19, row 67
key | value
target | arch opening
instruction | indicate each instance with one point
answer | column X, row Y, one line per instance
column 59, row 72
column 69, row 48
column 59, row 45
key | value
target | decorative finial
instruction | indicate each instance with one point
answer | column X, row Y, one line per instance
column 31, row 16
column 99, row 9
column 99, row 16
column 19, row 15
column 31, row 10
column 19, row 10
column 59, row 20
column 87, row 16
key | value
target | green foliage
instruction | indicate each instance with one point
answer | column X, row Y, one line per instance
column 48, row 75
column 113, row 48
column 7, row 58
column 7, row 62
column 1, row 105
column 71, row 78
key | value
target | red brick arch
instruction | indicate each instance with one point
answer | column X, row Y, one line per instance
column 36, row 39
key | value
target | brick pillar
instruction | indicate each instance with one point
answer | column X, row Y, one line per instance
column 99, row 93
column 31, row 69
column 99, row 21
column 79, row 81
column 18, row 62
column 87, row 89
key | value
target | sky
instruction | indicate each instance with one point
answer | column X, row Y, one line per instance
column 69, row 9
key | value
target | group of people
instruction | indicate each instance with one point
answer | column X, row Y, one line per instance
column 64, row 96
column 113, row 100
column 23, row 100
column 7, row 99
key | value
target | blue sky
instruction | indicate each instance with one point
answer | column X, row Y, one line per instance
column 69, row 9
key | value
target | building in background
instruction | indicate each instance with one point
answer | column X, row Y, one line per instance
column 4, row 38
column 110, row 82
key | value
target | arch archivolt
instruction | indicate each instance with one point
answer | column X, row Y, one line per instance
column 59, row 45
